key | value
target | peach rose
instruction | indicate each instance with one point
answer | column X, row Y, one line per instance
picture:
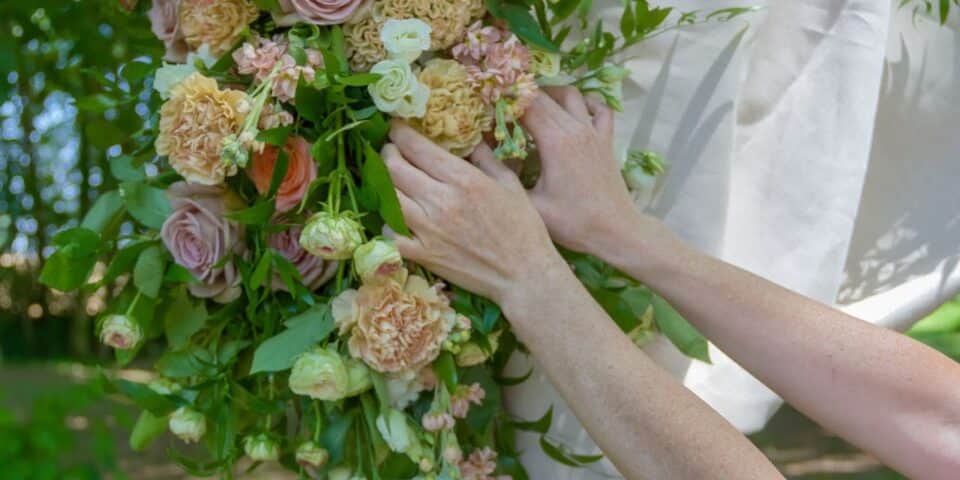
column 396, row 328
column 301, row 171
column 165, row 23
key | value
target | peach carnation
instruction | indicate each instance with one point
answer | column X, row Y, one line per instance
column 456, row 115
column 218, row 24
column 193, row 123
column 396, row 328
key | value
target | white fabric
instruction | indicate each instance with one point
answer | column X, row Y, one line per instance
column 807, row 148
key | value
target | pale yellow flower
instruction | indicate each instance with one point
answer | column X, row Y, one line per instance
column 456, row 115
column 193, row 124
column 217, row 24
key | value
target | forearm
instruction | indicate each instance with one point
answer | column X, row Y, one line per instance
column 643, row 420
column 880, row 390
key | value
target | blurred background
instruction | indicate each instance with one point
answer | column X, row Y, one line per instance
column 63, row 132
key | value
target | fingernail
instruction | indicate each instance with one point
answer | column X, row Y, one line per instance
column 389, row 233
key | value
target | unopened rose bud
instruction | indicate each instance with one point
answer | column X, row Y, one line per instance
column 426, row 465
column 309, row 454
column 188, row 424
column 471, row 354
column 120, row 332
column 320, row 374
column 261, row 448
column 612, row 73
column 359, row 380
column 452, row 454
column 640, row 170
column 378, row 259
column 331, row 237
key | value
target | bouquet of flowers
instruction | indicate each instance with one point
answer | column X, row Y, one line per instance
column 245, row 232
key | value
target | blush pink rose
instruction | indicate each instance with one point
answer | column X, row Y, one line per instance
column 199, row 237
column 314, row 271
column 301, row 171
column 319, row 12
column 165, row 23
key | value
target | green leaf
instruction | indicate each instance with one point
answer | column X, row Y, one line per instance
column 686, row 338
column 275, row 136
column 98, row 103
column 359, row 79
column 541, row 425
column 68, row 268
column 146, row 430
column 522, row 23
column 259, row 276
column 188, row 362
column 446, row 369
column 376, row 179
column 304, row 331
column 124, row 260
column 279, row 173
column 145, row 397
column 334, row 435
column 149, row 205
column 310, row 102
column 944, row 11
column 123, row 169
column 148, row 271
column 104, row 212
column 183, row 318
column 559, row 454
column 258, row 214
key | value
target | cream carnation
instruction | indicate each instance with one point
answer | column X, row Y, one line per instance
column 218, row 24
column 456, row 115
column 396, row 328
column 398, row 91
column 193, row 124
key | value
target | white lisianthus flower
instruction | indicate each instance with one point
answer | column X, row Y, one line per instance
column 331, row 237
column 398, row 91
column 378, row 259
column 320, row 374
column 544, row 63
column 171, row 74
column 120, row 332
column 261, row 448
column 188, row 424
column 405, row 40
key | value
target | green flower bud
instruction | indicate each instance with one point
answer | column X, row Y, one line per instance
column 359, row 377
column 187, row 424
column 320, row 374
column 640, row 170
column 261, row 448
column 331, row 237
column 395, row 430
column 340, row 473
column 120, row 332
column 378, row 259
column 471, row 354
column 310, row 454
column 612, row 73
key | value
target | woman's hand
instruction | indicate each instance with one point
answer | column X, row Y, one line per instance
column 581, row 194
column 472, row 224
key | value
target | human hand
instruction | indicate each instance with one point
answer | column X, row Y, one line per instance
column 581, row 194
column 471, row 224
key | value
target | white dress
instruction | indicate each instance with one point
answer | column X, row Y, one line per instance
column 813, row 143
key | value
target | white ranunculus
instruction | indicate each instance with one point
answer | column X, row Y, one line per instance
column 398, row 91
column 331, row 237
column 405, row 40
column 378, row 259
column 320, row 374
column 544, row 63
column 120, row 332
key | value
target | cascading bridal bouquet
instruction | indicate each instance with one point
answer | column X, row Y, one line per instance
column 294, row 333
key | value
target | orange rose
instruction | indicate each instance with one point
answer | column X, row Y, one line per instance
column 301, row 171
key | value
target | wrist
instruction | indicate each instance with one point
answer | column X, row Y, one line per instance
column 641, row 246
column 528, row 284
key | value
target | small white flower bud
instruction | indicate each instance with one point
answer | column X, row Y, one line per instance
column 331, row 237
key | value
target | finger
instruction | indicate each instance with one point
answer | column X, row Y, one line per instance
column 413, row 212
column 424, row 154
column 543, row 118
column 571, row 100
column 603, row 116
column 410, row 247
column 487, row 162
column 406, row 177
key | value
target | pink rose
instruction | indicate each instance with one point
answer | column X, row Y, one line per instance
column 314, row 271
column 199, row 237
column 319, row 12
column 165, row 23
column 301, row 171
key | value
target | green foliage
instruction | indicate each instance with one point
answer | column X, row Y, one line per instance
column 927, row 7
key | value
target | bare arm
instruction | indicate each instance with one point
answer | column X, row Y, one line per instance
column 476, row 227
column 880, row 390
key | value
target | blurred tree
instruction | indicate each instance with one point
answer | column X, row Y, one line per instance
column 72, row 95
